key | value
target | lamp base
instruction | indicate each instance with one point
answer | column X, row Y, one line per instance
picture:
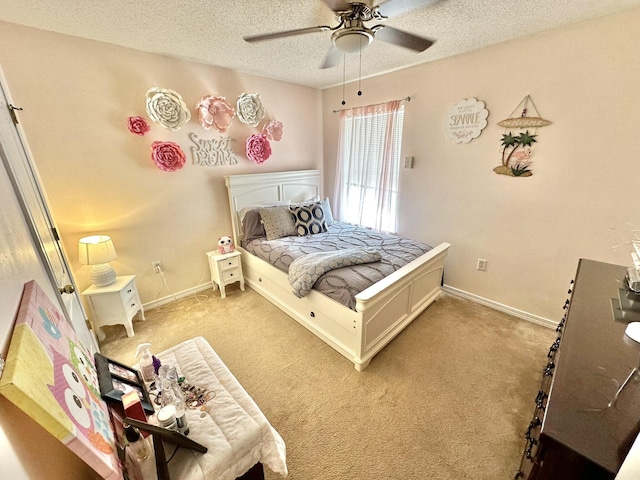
column 102, row 275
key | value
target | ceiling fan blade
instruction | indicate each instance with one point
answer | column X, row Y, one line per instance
column 285, row 33
column 394, row 8
column 337, row 5
column 331, row 58
column 403, row 39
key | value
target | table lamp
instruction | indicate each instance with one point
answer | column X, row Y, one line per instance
column 98, row 251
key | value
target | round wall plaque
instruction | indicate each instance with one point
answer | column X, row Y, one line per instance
column 465, row 120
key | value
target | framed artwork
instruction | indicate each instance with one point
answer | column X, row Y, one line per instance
column 116, row 379
column 51, row 377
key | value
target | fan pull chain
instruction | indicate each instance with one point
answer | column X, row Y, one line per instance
column 344, row 70
column 360, row 71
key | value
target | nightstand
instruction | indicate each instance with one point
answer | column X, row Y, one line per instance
column 226, row 268
column 115, row 304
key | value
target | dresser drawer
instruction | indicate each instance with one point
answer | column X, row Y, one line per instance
column 128, row 292
column 132, row 306
column 231, row 275
column 229, row 263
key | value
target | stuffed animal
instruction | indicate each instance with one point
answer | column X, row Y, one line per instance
column 225, row 245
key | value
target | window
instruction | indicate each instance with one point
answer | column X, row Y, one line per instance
column 367, row 174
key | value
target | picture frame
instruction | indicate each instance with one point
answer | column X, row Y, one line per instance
column 115, row 379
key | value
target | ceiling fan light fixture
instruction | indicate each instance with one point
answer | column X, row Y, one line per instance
column 352, row 40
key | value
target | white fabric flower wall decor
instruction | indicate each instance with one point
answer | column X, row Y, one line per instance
column 249, row 109
column 167, row 108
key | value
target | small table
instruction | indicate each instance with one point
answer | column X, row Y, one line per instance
column 226, row 268
column 114, row 304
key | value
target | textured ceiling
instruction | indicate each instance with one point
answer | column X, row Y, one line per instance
column 211, row 31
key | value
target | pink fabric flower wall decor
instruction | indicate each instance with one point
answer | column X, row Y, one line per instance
column 258, row 148
column 138, row 125
column 167, row 156
column 215, row 111
column 273, row 130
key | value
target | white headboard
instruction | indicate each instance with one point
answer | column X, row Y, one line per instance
column 253, row 189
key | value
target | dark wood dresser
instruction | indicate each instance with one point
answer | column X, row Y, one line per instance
column 576, row 433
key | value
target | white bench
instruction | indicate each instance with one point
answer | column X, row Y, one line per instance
column 233, row 428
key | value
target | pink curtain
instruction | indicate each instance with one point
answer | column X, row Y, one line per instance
column 368, row 165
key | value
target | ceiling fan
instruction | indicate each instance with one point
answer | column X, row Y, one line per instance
column 351, row 34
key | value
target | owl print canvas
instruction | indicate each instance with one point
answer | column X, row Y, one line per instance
column 53, row 379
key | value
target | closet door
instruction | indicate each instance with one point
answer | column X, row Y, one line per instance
column 15, row 154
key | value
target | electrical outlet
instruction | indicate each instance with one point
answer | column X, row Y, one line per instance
column 157, row 266
column 482, row 264
column 408, row 162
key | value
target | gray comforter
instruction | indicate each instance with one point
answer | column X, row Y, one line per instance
column 305, row 270
column 342, row 284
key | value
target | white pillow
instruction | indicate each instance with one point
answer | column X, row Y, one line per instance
column 326, row 208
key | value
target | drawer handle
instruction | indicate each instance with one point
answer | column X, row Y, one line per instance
column 548, row 371
column 231, row 274
column 312, row 314
column 554, row 347
column 529, row 451
column 229, row 263
column 540, row 398
column 534, row 423
column 133, row 304
column 130, row 290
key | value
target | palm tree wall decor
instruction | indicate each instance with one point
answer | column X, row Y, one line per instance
column 517, row 150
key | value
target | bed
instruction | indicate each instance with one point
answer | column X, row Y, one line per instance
column 380, row 311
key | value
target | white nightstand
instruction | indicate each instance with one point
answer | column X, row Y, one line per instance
column 115, row 304
column 226, row 268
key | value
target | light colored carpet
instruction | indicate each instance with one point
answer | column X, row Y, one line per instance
column 449, row 398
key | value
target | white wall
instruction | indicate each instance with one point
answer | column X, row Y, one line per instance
column 581, row 198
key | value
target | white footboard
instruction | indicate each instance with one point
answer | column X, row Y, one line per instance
column 391, row 304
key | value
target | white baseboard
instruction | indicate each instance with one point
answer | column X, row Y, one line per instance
column 529, row 317
column 159, row 302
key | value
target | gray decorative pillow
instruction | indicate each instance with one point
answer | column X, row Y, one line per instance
column 278, row 222
column 252, row 226
column 309, row 219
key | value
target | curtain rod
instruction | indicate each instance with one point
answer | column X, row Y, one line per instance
column 405, row 99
